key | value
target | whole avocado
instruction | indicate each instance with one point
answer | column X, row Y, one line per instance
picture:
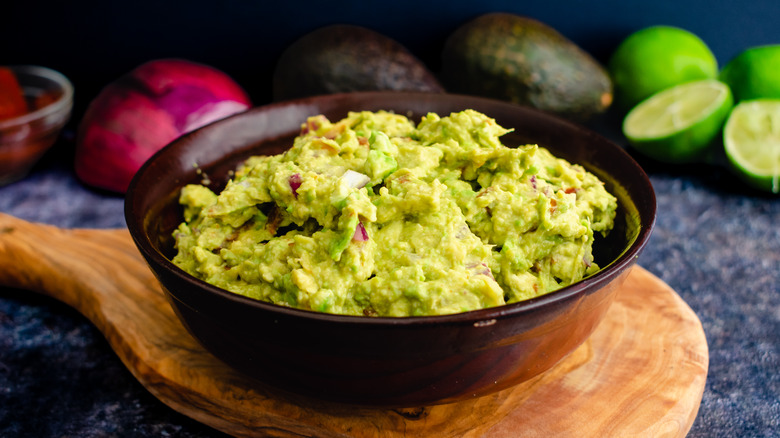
column 345, row 58
column 521, row 60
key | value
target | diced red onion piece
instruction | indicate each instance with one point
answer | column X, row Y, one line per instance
column 312, row 125
column 587, row 262
column 480, row 269
column 295, row 182
column 361, row 235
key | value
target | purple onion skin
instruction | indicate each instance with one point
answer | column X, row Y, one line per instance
column 144, row 110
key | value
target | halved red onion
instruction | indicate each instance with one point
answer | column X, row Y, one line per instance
column 142, row 111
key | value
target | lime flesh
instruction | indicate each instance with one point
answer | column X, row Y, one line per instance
column 678, row 124
column 752, row 142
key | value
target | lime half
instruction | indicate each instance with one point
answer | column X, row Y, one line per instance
column 678, row 124
column 752, row 142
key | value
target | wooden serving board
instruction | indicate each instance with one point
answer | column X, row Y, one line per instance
column 642, row 373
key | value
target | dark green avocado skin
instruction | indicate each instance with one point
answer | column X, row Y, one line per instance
column 521, row 60
column 345, row 58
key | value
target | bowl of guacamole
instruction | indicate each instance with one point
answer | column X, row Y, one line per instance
column 375, row 215
column 391, row 249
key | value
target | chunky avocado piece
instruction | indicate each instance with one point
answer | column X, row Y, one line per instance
column 515, row 58
column 344, row 58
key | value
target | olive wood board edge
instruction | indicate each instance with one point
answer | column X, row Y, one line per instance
column 641, row 373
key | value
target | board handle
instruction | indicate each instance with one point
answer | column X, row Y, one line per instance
column 75, row 266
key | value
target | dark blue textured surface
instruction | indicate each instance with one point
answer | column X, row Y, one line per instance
column 58, row 375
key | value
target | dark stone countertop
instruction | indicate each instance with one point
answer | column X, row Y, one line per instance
column 717, row 246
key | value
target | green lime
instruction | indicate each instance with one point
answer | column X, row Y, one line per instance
column 656, row 58
column 752, row 142
column 678, row 124
column 753, row 74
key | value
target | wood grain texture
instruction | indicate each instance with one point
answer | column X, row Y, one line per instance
column 642, row 373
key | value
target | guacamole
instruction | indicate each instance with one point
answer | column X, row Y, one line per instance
column 372, row 215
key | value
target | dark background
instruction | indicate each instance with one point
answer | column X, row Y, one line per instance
column 93, row 42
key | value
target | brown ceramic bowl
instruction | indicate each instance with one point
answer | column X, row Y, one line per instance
column 384, row 361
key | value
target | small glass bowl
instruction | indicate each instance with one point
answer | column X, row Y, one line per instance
column 24, row 139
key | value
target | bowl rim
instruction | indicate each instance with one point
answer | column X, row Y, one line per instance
column 485, row 316
column 60, row 104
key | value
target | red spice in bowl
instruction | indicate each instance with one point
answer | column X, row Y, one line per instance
column 36, row 103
